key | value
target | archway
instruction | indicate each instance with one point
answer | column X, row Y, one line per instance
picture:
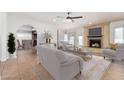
column 26, row 37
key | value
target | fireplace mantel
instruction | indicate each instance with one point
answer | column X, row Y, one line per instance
column 94, row 36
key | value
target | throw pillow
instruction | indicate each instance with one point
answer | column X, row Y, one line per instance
column 113, row 46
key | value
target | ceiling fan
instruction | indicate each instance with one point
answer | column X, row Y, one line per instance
column 70, row 18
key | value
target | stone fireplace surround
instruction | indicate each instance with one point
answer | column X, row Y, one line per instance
column 95, row 37
column 105, row 36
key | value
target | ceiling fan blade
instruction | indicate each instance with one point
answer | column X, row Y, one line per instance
column 68, row 17
column 76, row 17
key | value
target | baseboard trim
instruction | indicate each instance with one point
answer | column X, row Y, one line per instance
column 3, row 60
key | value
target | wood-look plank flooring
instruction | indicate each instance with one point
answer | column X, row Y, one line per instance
column 25, row 67
column 115, row 71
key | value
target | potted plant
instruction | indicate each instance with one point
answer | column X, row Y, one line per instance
column 11, row 44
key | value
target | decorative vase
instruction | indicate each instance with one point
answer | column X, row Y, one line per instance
column 11, row 56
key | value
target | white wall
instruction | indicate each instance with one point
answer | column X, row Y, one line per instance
column 3, row 40
column 114, row 25
column 14, row 22
column 24, row 35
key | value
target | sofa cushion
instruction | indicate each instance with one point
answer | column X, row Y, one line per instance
column 72, row 58
column 64, row 57
column 60, row 56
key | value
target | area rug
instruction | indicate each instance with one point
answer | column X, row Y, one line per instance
column 94, row 69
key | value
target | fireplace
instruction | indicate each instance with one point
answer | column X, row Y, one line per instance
column 95, row 37
column 95, row 43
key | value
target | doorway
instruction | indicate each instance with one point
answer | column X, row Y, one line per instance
column 26, row 37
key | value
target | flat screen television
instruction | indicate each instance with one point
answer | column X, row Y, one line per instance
column 95, row 32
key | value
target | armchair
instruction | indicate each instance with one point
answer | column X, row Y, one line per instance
column 117, row 54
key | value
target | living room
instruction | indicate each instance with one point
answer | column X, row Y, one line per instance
column 61, row 46
column 85, row 36
column 105, row 36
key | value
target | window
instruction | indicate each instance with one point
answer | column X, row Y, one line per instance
column 71, row 41
column 80, row 40
column 119, row 35
column 65, row 37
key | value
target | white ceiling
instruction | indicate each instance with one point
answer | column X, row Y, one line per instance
column 89, row 18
